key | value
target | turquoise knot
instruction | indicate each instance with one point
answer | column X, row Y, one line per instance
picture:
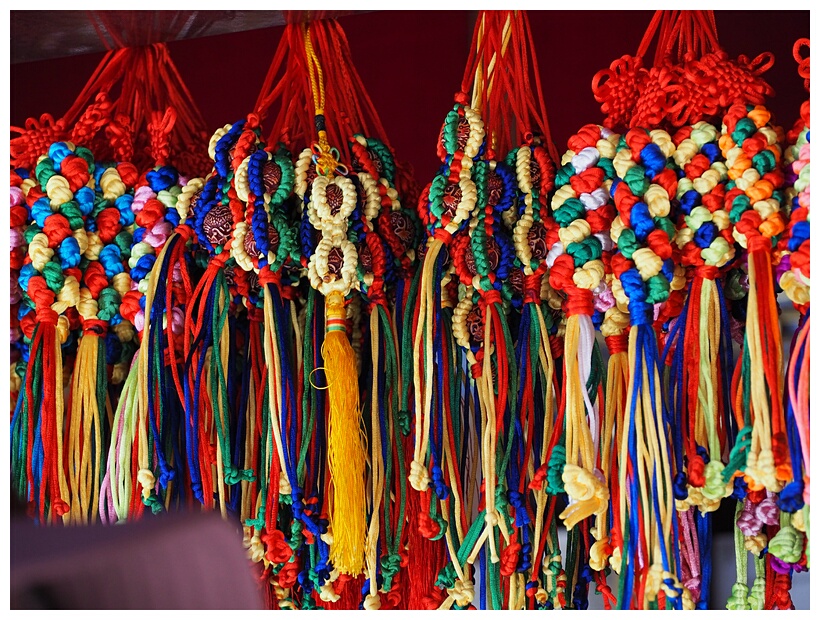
column 555, row 470
column 234, row 475
column 391, row 564
column 447, row 577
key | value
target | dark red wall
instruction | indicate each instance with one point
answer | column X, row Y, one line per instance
column 412, row 62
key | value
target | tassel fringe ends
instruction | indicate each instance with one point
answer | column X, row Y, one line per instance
column 347, row 453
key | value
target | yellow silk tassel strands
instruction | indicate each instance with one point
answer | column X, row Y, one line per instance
column 346, row 445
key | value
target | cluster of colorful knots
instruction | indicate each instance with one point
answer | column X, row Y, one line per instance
column 691, row 79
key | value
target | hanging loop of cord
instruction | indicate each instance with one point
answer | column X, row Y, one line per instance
column 325, row 157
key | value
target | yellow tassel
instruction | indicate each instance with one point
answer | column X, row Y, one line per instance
column 85, row 451
column 346, row 445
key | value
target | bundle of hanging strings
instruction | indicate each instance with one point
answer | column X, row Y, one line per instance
column 541, row 382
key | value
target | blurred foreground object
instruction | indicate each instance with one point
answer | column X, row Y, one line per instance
column 175, row 562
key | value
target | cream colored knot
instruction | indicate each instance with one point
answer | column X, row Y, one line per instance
column 58, row 190
column 462, row 592
column 256, row 550
column 622, row 162
column 541, row 595
column 664, row 141
column 755, row 543
column 589, row 276
column 576, row 232
column 280, row 592
column 615, row 560
column 647, row 262
column 86, row 304
column 657, row 200
column 119, row 373
column 111, row 184
column 284, row 484
column 372, row 602
column 654, row 580
column 687, row 601
column 419, row 477
column 327, row 593
column 491, row 518
column 68, row 296
column 588, row 493
column 760, row 468
column 599, row 554
column 39, row 252
column 327, row 537
column 696, row 498
column 799, row 521
column 63, row 329
column 146, row 478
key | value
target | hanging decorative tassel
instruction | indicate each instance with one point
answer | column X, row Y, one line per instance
column 534, row 234
column 794, row 279
column 332, row 271
column 444, row 208
column 584, row 212
column 104, row 282
column 207, row 341
column 265, row 242
column 752, row 154
column 160, row 286
column 50, row 278
column 643, row 233
column 700, row 345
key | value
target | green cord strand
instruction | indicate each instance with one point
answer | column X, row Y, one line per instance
column 308, row 403
column 407, row 353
